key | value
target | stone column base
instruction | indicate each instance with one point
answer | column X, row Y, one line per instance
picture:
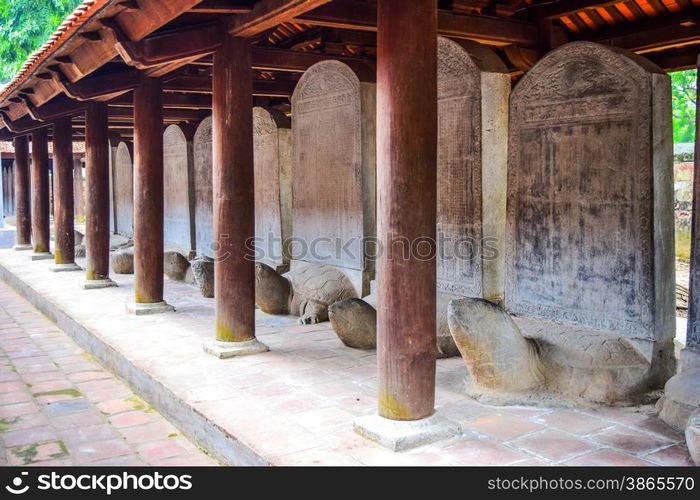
column 223, row 350
column 398, row 435
column 42, row 255
column 60, row 268
column 96, row 284
column 141, row 308
column 20, row 248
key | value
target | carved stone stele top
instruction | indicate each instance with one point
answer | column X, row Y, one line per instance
column 333, row 109
column 590, row 222
column 124, row 190
column 204, row 217
column 178, row 190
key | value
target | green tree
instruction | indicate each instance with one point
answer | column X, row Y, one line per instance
column 24, row 26
column 683, row 85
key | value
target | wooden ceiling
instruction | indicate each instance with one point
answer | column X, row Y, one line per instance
column 100, row 50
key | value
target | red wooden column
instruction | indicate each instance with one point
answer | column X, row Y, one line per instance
column 234, row 200
column 39, row 173
column 406, row 211
column 64, row 247
column 23, row 235
column 97, row 197
column 148, row 198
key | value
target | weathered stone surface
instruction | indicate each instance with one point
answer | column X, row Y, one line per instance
column 355, row 323
column 589, row 216
column 124, row 190
column 273, row 185
column 681, row 398
column 473, row 90
column 334, row 168
column 178, row 183
column 79, row 244
column 535, row 362
column 305, row 291
column 80, row 250
column 175, row 266
column 117, row 241
column 122, row 261
column 203, row 202
column 203, row 272
column 78, row 237
column 692, row 436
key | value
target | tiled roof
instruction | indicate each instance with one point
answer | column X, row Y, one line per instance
column 66, row 29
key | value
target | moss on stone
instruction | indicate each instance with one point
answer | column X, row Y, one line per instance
column 68, row 392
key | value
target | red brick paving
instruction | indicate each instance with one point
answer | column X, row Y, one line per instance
column 59, row 407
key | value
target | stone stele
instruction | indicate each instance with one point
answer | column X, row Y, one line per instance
column 178, row 200
column 589, row 257
column 333, row 192
column 272, row 137
column 124, row 191
column 333, row 168
column 473, row 90
column 203, row 202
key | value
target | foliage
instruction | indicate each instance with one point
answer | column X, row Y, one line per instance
column 24, row 26
column 683, row 84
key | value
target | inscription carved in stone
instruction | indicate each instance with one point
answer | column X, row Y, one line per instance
column 124, row 190
column 177, row 175
column 589, row 167
column 204, row 217
column 332, row 167
column 272, row 153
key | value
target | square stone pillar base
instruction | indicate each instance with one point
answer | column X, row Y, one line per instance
column 223, row 350
column 42, row 256
column 398, row 435
column 142, row 308
column 20, row 248
column 62, row 268
column 96, row 284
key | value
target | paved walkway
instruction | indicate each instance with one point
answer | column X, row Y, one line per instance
column 59, row 407
column 295, row 404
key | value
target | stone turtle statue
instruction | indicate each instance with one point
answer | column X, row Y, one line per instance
column 355, row 322
column 305, row 291
column 543, row 362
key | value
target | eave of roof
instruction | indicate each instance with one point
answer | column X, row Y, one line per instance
column 70, row 26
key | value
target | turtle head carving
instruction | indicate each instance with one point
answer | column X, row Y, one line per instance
column 273, row 291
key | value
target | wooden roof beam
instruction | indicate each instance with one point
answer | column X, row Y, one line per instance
column 199, row 41
column 675, row 60
column 194, row 41
column 267, row 14
column 97, row 86
column 673, row 30
column 170, row 100
column 202, row 85
column 362, row 16
column 555, row 10
column 222, row 7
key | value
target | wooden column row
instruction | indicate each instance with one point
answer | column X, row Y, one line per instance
column 406, row 156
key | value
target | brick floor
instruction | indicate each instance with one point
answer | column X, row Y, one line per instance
column 292, row 405
column 60, row 407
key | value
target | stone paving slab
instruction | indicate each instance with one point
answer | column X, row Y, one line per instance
column 58, row 406
column 295, row 404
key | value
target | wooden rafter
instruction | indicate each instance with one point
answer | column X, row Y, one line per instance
column 268, row 14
